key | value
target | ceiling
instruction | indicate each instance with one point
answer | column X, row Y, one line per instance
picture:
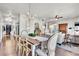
column 43, row 9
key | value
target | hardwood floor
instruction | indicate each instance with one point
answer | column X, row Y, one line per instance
column 63, row 52
column 8, row 49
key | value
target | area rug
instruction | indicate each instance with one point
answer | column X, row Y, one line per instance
column 69, row 48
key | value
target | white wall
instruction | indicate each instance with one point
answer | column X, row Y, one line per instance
column 0, row 30
column 70, row 22
column 23, row 23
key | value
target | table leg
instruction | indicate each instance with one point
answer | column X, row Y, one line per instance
column 33, row 50
column 42, row 45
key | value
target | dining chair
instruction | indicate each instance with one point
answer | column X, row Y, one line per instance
column 51, row 46
column 27, row 48
column 22, row 47
column 16, row 38
column 24, row 33
column 18, row 44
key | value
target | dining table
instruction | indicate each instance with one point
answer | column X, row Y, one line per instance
column 36, row 41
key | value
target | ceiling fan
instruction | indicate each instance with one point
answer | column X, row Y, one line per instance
column 58, row 17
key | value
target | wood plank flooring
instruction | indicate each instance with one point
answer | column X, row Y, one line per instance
column 8, row 49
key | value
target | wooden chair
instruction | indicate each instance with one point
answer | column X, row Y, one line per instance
column 18, row 45
column 22, row 46
column 27, row 48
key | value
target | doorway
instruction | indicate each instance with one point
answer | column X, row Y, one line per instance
column 8, row 29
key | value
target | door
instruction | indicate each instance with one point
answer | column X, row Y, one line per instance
column 8, row 29
column 63, row 27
